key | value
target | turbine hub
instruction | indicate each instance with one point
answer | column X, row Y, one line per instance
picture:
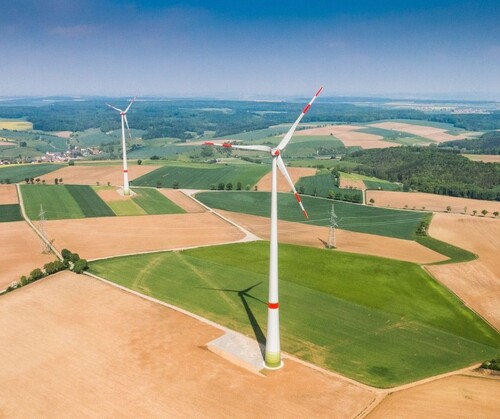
column 275, row 152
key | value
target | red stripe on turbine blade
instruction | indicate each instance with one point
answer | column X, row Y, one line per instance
column 273, row 306
column 125, row 171
column 227, row 145
column 297, row 197
column 306, row 108
column 319, row 91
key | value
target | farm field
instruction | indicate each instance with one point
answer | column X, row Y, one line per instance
column 8, row 194
column 20, row 252
column 352, row 217
column 323, row 183
column 200, row 176
column 143, row 352
column 19, row 172
column 346, row 241
column 350, row 135
column 458, row 396
column 295, row 173
column 432, row 133
column 430, row 202
column 81, row 174
column 476, row 282
column 15, row 124
column 185, row 202
column 366, row 182
column 483, row 157
column 392, row 326
column 63, row 202
column 96, row 238
column 10, row 212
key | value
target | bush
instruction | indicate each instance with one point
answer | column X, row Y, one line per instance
column 494, row 364
column 71, row 163
column 36, row 274
column 53, row 267
column 139, row 162
column 80, row 266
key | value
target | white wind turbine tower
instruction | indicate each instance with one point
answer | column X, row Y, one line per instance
column 272, row 359
column 123, row 115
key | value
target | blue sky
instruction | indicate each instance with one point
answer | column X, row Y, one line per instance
column 239, row 49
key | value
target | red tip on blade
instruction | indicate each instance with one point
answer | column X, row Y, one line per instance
column 305, row 214
column 297, row 197
column 227, row 145
column 319, row 91
column 273, row 305
column 306, row 108
column 208, row 143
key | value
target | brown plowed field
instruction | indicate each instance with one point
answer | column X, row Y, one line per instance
column 20, row 253
column 75, row 347
column 295, row 173
column 350, row 136
column 89, row 175
column 347, row 241
column 451, row 397
column 436, row 134
column 352, row 183
column 476, row 282
column 111, row 195
column 430, row 202
column 483, row 157
column 8, row 194
column 96, row 238
column 185, row 202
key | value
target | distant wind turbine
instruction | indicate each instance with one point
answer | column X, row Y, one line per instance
column 123, row 115
column 272, row 358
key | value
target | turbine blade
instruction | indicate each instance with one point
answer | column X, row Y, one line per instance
column 126, row 123
column 112, row 107
column 290, row 132
column 282, row 167
column 129, row 105
column 242, row 147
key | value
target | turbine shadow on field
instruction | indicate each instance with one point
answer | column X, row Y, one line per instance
column 244, row 294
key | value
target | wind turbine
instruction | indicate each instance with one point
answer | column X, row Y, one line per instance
column 123, row 115
column 272, row 358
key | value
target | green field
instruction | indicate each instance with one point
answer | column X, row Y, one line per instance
column 10, row 212
column 89, row 202
column 203, row 176
column 63, row 202
column 323, row 184
column 18, row 172
column 353, row 217
column 399, row 137
column 379, row 321
column 153, row 202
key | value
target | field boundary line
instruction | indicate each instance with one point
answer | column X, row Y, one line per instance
column 249, row 236
column 30, row 223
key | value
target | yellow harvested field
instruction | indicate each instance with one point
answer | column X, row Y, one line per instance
column 295, row 173
column 75, row 347
column 8, row 194
column 477, row 283
column 347, row 241
column 430, row 202
column 90, row 175
column 6, row 143
column 20, row 253
column 95, row 238
column 451, row 397
column 350, row 136
column 185, row 202
column 435, row 134
column 15, row 124
column 485, row 158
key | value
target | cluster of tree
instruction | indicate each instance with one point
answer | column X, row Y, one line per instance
column 488, row 143
column 493, row 364
column 186, row 119
column 37, row 273
column 345, row 196
column 428, row 169
column 74, row 262
column 221, row 186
